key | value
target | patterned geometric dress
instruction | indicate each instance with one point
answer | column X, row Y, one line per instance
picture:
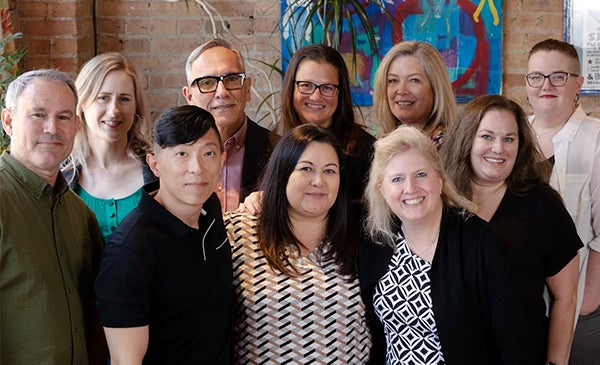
column 402, row 301
column 315, row 318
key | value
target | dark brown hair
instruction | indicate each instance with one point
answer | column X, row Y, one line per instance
column 530, row 169
column 565, row 48
column 343, row 125
column 275, row 235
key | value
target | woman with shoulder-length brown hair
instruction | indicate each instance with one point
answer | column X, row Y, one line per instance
column 492, row 156
column 316, row 89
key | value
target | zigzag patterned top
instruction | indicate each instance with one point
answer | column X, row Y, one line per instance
column 315, row 318
column 402, row 301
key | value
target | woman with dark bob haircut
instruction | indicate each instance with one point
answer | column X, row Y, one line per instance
column 492, row 157
column 297, row 296
column 316, row 89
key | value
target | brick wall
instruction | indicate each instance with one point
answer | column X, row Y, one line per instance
column 158, row 35
column 56, row 33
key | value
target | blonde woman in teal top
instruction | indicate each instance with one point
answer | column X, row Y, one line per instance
column 107, row 167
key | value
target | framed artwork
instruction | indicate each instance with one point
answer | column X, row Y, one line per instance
column 582, row 30
column 468, row 34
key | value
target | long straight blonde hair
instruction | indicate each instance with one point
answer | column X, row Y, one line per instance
column 88, row 83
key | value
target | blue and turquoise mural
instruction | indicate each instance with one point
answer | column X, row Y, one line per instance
column 467, row 33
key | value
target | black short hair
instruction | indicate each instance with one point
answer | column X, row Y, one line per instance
column 182, row 125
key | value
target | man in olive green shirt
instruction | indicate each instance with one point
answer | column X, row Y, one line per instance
column 49, row 240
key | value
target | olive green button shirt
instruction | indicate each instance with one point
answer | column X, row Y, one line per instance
column 50, row 247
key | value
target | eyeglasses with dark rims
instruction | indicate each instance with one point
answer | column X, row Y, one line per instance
column 557, row 79
column 308, row 88
column 209, row 84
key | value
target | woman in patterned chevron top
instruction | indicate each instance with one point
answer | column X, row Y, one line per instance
column 297, row 297
column 436, row 280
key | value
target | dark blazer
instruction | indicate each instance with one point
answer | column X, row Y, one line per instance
column 475, row 294
column 258, row 147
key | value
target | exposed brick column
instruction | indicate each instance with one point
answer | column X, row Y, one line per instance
column 57, row 34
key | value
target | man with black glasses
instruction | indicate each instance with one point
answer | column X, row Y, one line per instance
column 217, row 82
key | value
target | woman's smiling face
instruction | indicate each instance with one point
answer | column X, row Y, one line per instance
column 316, row 108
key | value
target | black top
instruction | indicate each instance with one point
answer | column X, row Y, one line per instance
column 474, row 292
column 158, row 271
column 258, row 146
column 358, row 163
column 540, row 232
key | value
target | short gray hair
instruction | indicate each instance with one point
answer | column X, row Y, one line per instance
column 215, row 42
column 16, row 87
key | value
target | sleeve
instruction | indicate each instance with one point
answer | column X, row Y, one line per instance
column 96, row 342
column 594, row 244
column 125, row 283
column 559, row 233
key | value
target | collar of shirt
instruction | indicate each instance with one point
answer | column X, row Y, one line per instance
column 231, row 175
column 236, row 140
column 170, row 223
column 35, row 184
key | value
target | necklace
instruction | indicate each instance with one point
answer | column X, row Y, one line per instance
column 308, row 249
column 553, row 129
column 420, row 254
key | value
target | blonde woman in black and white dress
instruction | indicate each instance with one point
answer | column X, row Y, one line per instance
column 436, row 280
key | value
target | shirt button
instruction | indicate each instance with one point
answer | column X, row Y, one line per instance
column 113, row 228
column 111, row 203
column 112, row 215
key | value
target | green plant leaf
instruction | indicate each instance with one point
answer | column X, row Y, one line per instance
column 8, row 72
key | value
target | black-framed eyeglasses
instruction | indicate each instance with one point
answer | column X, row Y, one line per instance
column 557, row 79
column 308, row 88
column 209, row 84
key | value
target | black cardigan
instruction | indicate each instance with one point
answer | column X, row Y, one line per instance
column 475, row 296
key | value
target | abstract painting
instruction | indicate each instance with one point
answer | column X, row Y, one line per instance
column 467, row 33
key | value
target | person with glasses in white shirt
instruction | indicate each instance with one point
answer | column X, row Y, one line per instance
column 217, row 82
column 570, row 139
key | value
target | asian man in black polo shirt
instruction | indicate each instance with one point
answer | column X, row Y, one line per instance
column 164, row 287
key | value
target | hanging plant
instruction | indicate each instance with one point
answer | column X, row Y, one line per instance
column 334, row 18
